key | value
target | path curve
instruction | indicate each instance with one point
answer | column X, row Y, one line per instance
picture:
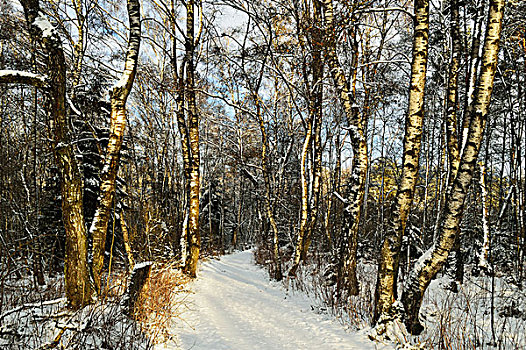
column 234, row 306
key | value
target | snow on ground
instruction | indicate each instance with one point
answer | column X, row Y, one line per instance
column 234, row 306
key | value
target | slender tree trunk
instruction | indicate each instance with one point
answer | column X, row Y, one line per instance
column 304, row 214
column 483, row 255
column 452, row 97
column 433, row 260
column 316, row 116
column 278, row 275
column 127, row 241
column 188, row 125
column 276, row 257
column 79, row 47
column 471, row 76
column 451, row 129
column 353, row 206
column 194, row 238
column 386, row 290
column 119, row 95
column 312, row 142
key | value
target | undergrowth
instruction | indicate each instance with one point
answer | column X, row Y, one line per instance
column 38, row 318
column 456, row 321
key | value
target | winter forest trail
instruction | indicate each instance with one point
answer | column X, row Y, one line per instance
column 234, row 306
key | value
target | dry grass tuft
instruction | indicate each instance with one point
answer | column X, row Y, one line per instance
column 162, row 301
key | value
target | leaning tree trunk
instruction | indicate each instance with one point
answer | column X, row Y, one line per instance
column 390, row 252
column 118, row 94
column 353, row 206
column 433, row 260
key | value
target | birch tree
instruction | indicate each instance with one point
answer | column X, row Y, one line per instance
column 353, row 206
column 434, row 258
column 386, row 287
column 188, row 124
column 310, row 38
column 78, row 286
column 118, row 96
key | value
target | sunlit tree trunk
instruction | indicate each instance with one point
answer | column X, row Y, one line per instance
column 191, row 143
column 433, row 260
column 188, row 125
column 126, row 240
column 118, row 96
column 304, row 212
column 390, row 252
column 77, row 283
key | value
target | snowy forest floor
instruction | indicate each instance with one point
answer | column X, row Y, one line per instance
column 234, row 306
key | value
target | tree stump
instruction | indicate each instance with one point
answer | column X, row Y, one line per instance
column 137, row 280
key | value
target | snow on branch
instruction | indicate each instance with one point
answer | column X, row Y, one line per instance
column 47, row 29
column 21, row 77
column 339, row 196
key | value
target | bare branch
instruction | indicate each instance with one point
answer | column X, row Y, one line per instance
column 387, row 9
column 21, row 77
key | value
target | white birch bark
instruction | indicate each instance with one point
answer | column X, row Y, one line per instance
column 118, row 94
column 433, row 260
column 386, row 287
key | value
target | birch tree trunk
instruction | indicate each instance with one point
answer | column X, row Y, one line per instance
column 118, row 94
column 278, row 275
column 316, row 113
column 188, row 125
column 433, row 259
column 471, row 75
column 353, row 206
column 312, row 142
column 386, row 290
column 452, row 97
column 304, row 212
column 452, row 139
column 194, row 239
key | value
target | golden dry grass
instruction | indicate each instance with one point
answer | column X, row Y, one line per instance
column 162, row 301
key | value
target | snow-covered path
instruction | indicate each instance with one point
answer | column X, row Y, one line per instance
column 234, row 306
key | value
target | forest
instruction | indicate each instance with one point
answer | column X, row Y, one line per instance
column 370, row 153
